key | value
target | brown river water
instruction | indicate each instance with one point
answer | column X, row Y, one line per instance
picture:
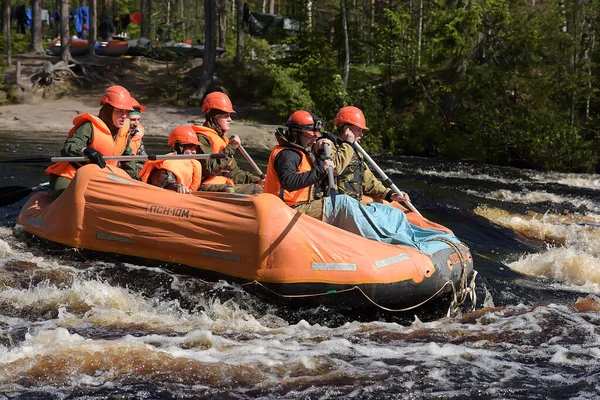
column 75, row 327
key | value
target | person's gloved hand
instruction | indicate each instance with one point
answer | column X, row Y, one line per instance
column 94, row 156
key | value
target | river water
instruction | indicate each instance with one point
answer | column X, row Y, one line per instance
column 73, row 327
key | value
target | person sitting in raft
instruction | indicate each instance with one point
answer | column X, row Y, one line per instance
column 182, row 176
column 353, row 175
column 297, row 165
column 297, row 182
column 222, row 175
column 135, row 144
column 94, row 137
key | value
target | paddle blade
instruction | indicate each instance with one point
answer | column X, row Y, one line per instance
column 12, row 194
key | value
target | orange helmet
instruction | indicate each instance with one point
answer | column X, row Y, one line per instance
column 305, row 121
column 183, row 135
column 217, row 101
column 118, row 97
column 135, row 104
column 350, row 115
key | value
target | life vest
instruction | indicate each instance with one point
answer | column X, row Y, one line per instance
column 217, row 143
column 102, row 141
column 273, row 185
column 135, row 140
column 350, row 181
column 187, row 172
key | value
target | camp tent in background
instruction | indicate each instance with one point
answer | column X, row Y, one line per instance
column 270, row 26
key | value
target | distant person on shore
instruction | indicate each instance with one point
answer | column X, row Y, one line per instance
column 182, row 176
column 94, row 137
column 106, row 28
column 297, row 165
column 222, row 175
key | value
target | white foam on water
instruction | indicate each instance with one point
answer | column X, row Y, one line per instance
column 535, row 196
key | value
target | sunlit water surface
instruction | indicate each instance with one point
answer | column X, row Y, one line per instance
column 78, row 327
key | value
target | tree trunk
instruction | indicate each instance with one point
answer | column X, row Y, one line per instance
column 6, row 27
column 93, row 32
column 210, row 48
column 239, row 49
column 222, row 23
column 346, row 43
column 146, row 7
column 271, row 6
column 36, row 27
column 420, row 34
column 65, row 45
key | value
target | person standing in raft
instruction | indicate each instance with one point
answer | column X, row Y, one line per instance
column 182, row 176
column 94, row 137
column 298, row 179
column 222, row 175
column 297, row 165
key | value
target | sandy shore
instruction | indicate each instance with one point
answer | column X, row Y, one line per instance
column 57, row 116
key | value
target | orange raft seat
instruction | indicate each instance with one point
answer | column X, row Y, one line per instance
column 255, row 240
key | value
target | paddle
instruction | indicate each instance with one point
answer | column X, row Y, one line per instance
column 332, row 192
column 384, row 177
column 251, row 162
column 153, row 157
column 12, row 194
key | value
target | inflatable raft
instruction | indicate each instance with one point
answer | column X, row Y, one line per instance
column 78, row 47
column 257, row 241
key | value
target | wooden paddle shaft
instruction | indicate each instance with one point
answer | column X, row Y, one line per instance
column 384, row 177
column 146, row 157
column 255, row 167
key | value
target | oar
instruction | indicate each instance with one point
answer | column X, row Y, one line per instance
column 12, row 194
column 251, row 162
column 384, row 177
column 332, row 191
column 38, row 160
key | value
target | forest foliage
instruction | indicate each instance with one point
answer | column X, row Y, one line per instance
column 510, row 82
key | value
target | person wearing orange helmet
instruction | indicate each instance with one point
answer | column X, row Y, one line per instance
column 94, row 137
column 223, row 174
column 353, row 175
column 182, row 176
column 297, row 165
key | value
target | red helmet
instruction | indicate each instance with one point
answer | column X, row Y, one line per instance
column 137, row 105
column 183, row 135
column 217, row 101
column 118, row 97
column 350, row 115
column 305, row 121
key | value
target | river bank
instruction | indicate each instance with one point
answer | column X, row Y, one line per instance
column 57, row 116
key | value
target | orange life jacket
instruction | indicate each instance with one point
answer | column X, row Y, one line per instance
column 135, row 141
column 217, row 144
column 187, row 172
column 273, row 185
column 102, row 141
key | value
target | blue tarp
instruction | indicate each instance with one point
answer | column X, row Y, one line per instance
column 383, row 223
column 29, row 17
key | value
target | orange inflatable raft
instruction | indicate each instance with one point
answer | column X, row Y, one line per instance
column 255, row 240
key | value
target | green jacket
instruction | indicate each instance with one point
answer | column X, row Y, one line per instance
column 353, row 176
column 214, row 167
column 82, row 138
